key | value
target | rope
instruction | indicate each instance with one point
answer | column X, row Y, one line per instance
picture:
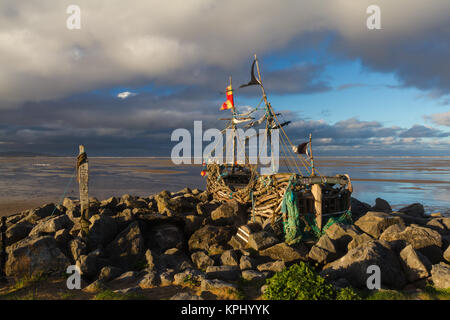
column 65, row 190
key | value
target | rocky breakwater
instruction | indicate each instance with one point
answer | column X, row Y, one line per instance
column 187, row 239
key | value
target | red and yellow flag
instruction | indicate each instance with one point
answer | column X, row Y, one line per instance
column 229, row 104
column 203, row 172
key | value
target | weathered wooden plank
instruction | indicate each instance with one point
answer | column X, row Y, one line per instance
column 83, row 182
column 317, row 193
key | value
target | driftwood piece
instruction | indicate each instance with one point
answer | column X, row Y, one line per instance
column 83, row 182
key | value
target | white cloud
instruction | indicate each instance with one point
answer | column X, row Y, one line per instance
column 118, row 43
column 126, row 94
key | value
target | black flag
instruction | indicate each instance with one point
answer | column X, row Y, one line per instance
column 253, row 80
column 301, row 148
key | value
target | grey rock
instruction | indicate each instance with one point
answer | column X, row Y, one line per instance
column 102, row 231
column 185, row 296
column 77, row 248
column 353, row 266
column 166, row 277
column 128, row 249
column 109, row 273
column 282, row 251
column 341, row 235
column 274, row 266
column 374, row 223
column 165, row 236
column 415, row 209
column 381, row 205
column 358, row 208
column 261, row 240
column 91, row 264
column 440, row 275
column 150, row 280
column 230, row 213
column 34, row 255
column 202, row 260
column 212, row 239
column 41, row 212
column 187, row 276
column 51, row 225
column 246, row 263
column 228, row 273
column 359, row 240
column 323, row 251
column 252, row 275
column 447, row 254
column 174, row 259
column 416, row 265
column 426, row 240
column 127, row 279
column 230, row 258
column 217, row 285
column 17, row 232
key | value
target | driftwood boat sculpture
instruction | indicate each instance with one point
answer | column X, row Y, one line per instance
column 302, row 203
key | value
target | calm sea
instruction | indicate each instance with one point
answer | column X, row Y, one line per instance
column 25, row 182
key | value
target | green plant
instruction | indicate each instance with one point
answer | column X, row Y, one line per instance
column 190, row 281
column 299, row 282
column 111, row 295
column 387, row 295
column 347, row 294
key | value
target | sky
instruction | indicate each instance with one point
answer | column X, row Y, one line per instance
column 136, row 71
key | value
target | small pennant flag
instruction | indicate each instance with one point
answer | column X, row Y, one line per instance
column 229, row 104
column 301, row 148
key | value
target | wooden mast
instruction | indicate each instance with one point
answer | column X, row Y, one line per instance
column 313, row 170
column 269, row 107
column 83, row 181
column 233, row 125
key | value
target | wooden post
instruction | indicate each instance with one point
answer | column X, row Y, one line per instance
column 313, row 170
column 316, row 190
column 83, row 181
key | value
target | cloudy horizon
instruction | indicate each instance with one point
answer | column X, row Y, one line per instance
column 136, row 71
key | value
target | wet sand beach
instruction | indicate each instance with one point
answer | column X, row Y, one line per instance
column 28, row 182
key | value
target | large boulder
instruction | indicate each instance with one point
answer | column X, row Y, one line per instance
column 102, row 231
column 359, row 240
column 284, row 252
column 273, row 266
column 17, row 232
column 425, row 240
column 353, row 266
column 229, row 258
column 35, row 255
column 202, row 260
column 77, row 247
column 51, row 224
column 416, row 265
column 165, row 235
column 381, row 205
column 415, row 209
column 374, row 223
column 447, row 254
column 212, row 239
column 440, row 275
column 261, row 240
column 91, row 264
column 230, row 213
column 358, row 208
column 41, row 212
column 323, row 251
column 174, row 259
column 128, row 248
column 228, row 273
column 341, row 235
